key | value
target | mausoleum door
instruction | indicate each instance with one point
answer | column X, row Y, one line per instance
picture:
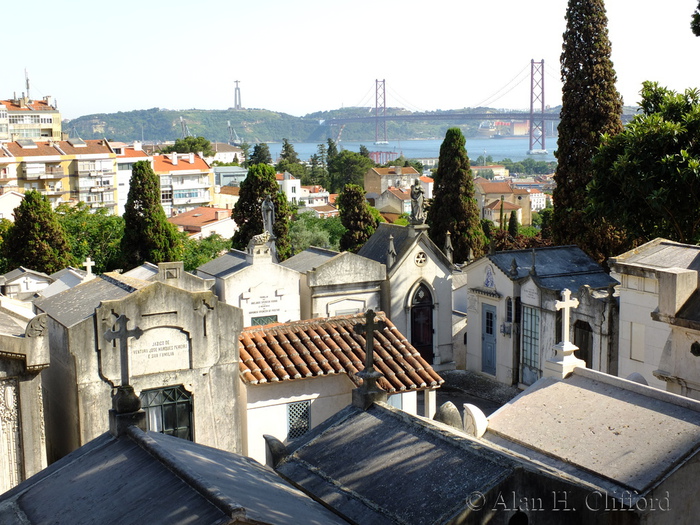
column 422, row 322
column 488, row 339
column 583, row 338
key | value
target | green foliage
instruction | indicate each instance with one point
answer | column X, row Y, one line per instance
column 647, row 178
column 148, row 236
column 502, row 240
column 308, row 230
column 513, row 224
column 191, row 145
column 453, row 207
column 695, row 21
column 331, row 151
column 546, row 216
column 246, row 154
column 247, row 213
column 364, row 151
column 289, row 161
column 96, row 235
column 36, row 240
column 5, row 225
column 261, row 155
column 529, row 166
column 591, row 107
column 356, row 217
column 348, row 167
column 200, row 251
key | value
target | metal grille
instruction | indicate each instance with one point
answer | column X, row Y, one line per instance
column 298, row 419
column 531, row 337
column 168, row 411
column 263, row 320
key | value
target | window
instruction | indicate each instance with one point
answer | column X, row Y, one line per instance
column 298, row 419
column 509, row 310
column 169, row 411
column 263, row 320
column 531, row 337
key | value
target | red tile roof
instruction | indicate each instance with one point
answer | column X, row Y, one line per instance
column 200, row 216
column 426, row 179
column 405, row 170
column 496, row 205
column 404, row 195
column 33, row 105
column 164, row 163
column 230, row 190
column 328, row 346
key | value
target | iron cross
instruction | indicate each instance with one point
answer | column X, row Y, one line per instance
column 367, row 330
column 123, row 334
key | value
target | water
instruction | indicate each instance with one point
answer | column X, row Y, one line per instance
column 510, row 148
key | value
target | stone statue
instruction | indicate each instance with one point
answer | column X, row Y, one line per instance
column 268, row 214
column 417, row 214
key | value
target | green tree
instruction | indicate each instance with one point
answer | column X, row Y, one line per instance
column 356, row 217
column 655, row 165
column 348, row 167
column 36, row 240
column 261, row 155
column 591, row 107
column 513, row 224
column 364, row 151
column 454, row 207
column 91, row 234
column 695, row 21
column 148, row 236
column 289, row 161
column 200, row 251
column 246, row 154
column 331, row 150
column 191, row 145
column 247, row 212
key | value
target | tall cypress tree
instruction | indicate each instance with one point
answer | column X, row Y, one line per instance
column 454, row 207
column 591, row 106
column 148, row 236
column 36, row 240
column 261, row 155
column 247, row 212
column 356, row 217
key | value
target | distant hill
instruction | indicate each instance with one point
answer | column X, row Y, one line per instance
column 259, row 125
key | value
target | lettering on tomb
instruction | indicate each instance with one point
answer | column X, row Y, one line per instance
column 159, row 350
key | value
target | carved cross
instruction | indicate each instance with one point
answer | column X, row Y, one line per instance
column 367, row 330
column 88, row 264
column 123, row 334
column 567, row 304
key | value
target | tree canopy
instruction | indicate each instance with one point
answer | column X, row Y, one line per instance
column 347, row 167
column 591, row 107
column 191, row 145
column 695, row 21
column 261, row 155
column 148, row 236
column 356, row 217
column 453, row 207
column 36, row 240
column 647, row 178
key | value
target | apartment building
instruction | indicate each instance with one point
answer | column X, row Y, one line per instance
column 186, row 182
column 23, row 118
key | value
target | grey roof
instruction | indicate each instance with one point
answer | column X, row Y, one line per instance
column 157, row 479
column 661, row 253
column 383, row 466
column 146, row 271
column 556, row 267
column 78, row 303
column 64, row 279
column 311, row 258
column 377, row 245
column 18, row 272
column 629, row 434
column 12, row 324
column 224, row 265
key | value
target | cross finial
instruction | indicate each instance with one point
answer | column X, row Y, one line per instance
column 88, row 264
column 567, row 304
column 368, row 392
column 123, row 334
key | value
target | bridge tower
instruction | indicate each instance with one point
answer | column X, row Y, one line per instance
column 537, row 128
column 237, row 97
column 380, row 112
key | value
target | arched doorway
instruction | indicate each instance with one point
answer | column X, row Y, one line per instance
column 422, row 322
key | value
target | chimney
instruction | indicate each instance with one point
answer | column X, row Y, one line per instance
column 174, row 158
column 138, row 146
column 220, row 215
column 191, row 158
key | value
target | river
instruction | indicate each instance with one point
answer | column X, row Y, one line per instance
column 499, row 149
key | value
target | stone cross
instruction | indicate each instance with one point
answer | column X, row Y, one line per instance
column 368, row 330
column 88, row 264
column 123, row 334
column 567, row 304
column 26, row 281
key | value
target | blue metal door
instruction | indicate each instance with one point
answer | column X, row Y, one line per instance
column 488, row 339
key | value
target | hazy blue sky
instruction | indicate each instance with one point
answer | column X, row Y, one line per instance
column 299, row 56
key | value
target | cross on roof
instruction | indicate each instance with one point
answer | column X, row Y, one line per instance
column 123, row 334
column 367, row 330
column 567, row 304
column 88, row 264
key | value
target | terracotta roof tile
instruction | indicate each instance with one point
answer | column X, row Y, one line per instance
column 327, row 346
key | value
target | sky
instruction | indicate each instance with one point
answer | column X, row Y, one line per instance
column 303, row 56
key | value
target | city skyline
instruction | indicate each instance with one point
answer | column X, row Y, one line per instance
column 306, row 56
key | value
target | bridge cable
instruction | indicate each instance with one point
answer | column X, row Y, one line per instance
column 495, row 96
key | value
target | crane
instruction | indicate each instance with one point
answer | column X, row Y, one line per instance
column 185, row 130
column 233, row 138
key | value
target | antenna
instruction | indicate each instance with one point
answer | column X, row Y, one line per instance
column 237, row 97
column 26, row 80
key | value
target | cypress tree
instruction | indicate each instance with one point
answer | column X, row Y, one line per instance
column 247, row 213
column 261, row 155
column 148, row 236
column 356, row 217
column 591, row 107
column 36, row 240
column 453, row 207
column 513, row 224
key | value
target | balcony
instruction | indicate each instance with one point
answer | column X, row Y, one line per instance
column 201, row 199
column 95, row 173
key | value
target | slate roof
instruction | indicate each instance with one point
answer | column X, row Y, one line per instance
column 144, row 272
column 224, row 265
column 381, row 466
column 18, row 272
column 311, row 258
column 629, row 434
column 657, row 254
column 329, row 346
column 147, row 477
column 556, row 267
column 78, row 303
column 377, row 245
column 12, row 324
